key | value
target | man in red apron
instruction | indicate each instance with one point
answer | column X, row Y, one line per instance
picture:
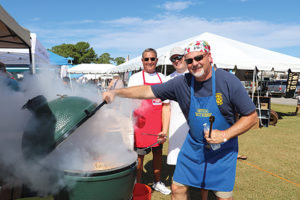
column 204, row 92
column 151, row 119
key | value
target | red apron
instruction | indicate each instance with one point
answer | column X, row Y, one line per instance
column 148, row 120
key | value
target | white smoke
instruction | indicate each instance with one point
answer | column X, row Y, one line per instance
column 104, row 137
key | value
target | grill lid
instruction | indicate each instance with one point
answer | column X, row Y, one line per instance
column 52, row 122
column 69, row 112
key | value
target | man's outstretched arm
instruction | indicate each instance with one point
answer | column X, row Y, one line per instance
column 136, row 92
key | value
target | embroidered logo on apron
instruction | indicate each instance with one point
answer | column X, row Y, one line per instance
column 202, row 113
column 219, row 99
column 156, row 102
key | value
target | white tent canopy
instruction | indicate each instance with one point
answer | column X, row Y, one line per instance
column 226, row 53
column 95, row 76
column 91, row 69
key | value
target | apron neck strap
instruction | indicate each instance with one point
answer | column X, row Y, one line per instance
column 192, row 86
column 144, row 79
column 213, row 81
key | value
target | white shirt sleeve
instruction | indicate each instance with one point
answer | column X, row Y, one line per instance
column 136, row 79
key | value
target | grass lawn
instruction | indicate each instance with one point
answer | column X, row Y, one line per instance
column 271, row 170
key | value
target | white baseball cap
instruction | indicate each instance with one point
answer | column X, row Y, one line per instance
column 176, row 51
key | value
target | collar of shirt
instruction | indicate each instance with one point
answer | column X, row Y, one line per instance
column 174, row 74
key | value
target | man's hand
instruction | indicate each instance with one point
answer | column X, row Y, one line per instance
column 162, row 137
column 108, row 96
column 217, row 136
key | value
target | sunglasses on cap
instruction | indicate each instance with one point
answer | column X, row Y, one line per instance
column 176, row 58
column 197, row 58
column 147, row 59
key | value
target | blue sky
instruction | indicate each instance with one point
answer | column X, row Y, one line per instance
column 127, row 27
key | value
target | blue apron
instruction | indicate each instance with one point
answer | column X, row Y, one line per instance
column 197, row 165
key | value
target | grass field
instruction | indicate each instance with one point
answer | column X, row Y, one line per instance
column 271, row 170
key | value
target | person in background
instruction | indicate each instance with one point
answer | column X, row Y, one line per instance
column 151, row 119
column 115, row 83
column 204, row 92
column 298, row 102
column 178, row 128
column 7, row 78
column 240, row 156
column 66, row 80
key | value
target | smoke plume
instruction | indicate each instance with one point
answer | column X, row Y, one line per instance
column 105, row 137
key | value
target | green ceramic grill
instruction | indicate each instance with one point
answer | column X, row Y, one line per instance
column 51, row 124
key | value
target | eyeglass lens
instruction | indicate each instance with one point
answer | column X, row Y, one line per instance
column 147, row 59
column 197, row 58
column 176, row 58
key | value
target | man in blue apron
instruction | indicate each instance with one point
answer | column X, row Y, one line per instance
column 204, row 92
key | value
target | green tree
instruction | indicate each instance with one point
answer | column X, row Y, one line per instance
column 84, row 53
column 64, row 50
column 119, row 60
column 104, row 59
column 81, row 52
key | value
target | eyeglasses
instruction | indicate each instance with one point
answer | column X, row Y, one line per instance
column 176, row 58
column 197, row 58
column 147, row 59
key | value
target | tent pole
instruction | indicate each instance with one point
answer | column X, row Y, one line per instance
column 165, row 71
column 70, row 80
column 253, row 82
column 258, row 97
column 32, row 64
